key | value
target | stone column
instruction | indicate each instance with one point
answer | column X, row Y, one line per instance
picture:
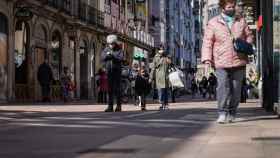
column 77, row 62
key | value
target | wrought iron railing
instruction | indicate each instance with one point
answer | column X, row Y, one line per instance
column 90, row 15
column 61, row 5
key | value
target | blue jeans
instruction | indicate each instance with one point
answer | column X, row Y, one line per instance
column 229, row 89
column 163, row 95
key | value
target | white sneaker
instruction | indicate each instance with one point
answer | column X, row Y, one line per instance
column 230, row 118
column 222, row 119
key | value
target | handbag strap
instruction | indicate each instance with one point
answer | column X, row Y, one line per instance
column 231, row 34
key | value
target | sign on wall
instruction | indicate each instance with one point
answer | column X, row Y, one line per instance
column 24, row 14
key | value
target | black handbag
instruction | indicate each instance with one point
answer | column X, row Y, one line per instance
column 241, row 46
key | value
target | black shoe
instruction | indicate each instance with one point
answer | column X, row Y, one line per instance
column 109, row 109
column 143, row 109
column 118, row 109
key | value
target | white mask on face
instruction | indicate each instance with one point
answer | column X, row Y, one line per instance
column 161, row 51
column 111, row 46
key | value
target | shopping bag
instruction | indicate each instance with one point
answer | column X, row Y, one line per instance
column 176, row 78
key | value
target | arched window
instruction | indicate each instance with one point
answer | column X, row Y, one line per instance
column 21, row 51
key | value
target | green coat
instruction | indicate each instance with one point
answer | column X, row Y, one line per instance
column 159, row 72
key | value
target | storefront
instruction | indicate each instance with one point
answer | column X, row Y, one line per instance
column 3, row 56
column 269, row 49
column 276, row 53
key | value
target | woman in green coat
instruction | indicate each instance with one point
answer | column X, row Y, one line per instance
column 159, row 74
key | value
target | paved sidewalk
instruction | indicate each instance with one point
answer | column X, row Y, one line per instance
column 187, row 130
column 255, row 134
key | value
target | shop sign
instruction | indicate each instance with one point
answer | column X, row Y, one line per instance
column 139, row 55
column 24, row 14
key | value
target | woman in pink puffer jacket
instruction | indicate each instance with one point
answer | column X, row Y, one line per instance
column 218, row 52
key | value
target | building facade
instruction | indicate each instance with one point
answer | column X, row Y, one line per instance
column 157, row 21
column 69, row 33
column 180, row 33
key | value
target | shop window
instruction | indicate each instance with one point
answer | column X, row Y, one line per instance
column 56, row 54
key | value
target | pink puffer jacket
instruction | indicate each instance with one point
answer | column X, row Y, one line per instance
column 218, row 46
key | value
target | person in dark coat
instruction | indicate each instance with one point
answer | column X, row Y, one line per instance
column 212, row 85
column 204, row 86
column 112, row 57
column 45, row 77
column 142, row 87
column 193, row 87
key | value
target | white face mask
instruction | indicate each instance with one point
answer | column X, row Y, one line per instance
column 111, row 46
column 161, row 51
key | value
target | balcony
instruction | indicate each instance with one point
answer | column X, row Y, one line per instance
column 61, row 5
column 90, row 15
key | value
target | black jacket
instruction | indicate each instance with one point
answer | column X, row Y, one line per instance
column 112, row 60
column 44, row 74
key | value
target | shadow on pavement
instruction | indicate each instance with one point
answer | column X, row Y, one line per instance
column 40, row 133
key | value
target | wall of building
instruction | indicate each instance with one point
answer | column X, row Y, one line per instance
column 81, row 42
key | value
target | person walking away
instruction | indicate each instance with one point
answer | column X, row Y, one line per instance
column 204, row 86
column 65, row 84
column 193, row 88
column 218, row 52
column 45, row 77
column 159, row 74
column 212, row 81
column 112, row 57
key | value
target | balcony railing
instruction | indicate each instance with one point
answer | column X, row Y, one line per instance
column 90, row 15
column 62, row 5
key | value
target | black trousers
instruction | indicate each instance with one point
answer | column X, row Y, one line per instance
column 102, row 97
column 46, row 89
column 114, row 83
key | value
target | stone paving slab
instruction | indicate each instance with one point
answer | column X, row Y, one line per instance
column 187, row 130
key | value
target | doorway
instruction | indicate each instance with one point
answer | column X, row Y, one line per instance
column 40, row 54
column 24, row 78
column 84, row 69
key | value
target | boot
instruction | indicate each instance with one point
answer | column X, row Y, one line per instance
column 118, row 108
column 143, row 107
column 109, row 109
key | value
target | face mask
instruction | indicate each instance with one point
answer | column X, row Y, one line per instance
column 229, row 12
column 161, row 51
column 111, row 46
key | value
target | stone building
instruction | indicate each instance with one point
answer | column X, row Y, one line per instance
column 69, row 33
